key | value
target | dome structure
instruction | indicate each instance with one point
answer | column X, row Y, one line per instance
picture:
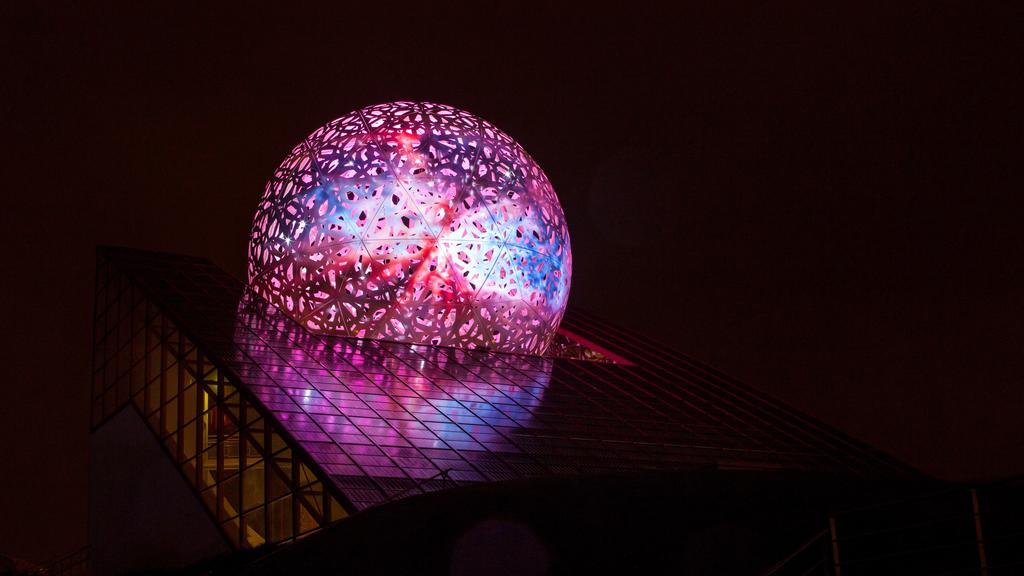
column 414, row 222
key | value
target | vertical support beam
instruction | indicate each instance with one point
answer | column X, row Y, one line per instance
column 835, row 545
column 982, row 559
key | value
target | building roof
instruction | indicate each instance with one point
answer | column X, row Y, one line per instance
column 380, row 420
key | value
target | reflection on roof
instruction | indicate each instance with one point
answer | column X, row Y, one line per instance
column 382, row 419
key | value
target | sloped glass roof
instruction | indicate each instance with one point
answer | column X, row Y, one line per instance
column 383, row 420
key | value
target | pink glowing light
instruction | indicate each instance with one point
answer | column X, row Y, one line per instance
column 414, row 222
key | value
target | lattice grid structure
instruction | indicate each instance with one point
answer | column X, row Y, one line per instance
column 414, row 222
column 281, row 431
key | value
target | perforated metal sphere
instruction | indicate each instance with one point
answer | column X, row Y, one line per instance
column 415, row 222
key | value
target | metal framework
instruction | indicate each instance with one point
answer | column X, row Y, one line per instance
column 230, row 449
column 281, row 430
column 414, row 222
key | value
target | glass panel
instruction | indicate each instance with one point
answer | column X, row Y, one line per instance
column 138, row 400
column 152, row 365
column 228, row 500
column 277, row 443
column 124, row 332
column 108, row 374
column 207, row 433
column 154, row 421
column 210, row 376
column 171, row 443
column 280, row 482
column 229, row 455
column 209, row 497
column 138, row 312
column 250, row 449
column 233, row 405
column 153, row 322
column 208, row 467
column 122, row 390
column 255, row 528
column 187, row 349
column 279, row 519
column 249, row 413
column 153, row 396
column 171, row 380
column 335, row 511
column 138, row 375
column 187, row 378
column 306, row 520
column 170, row 416
column 188, row 440
column 256, row 436
column 124, row 351
column 228, row 425
column 188, row 403
column 189, row 469
column 313, row 496
column 208, row 398
column 170, row 335
column 253, row 487
column 306, row 475
column 231, row 531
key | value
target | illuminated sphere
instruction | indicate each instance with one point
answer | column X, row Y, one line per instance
column 414, row 222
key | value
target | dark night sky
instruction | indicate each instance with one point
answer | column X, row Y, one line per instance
column 822, row 203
